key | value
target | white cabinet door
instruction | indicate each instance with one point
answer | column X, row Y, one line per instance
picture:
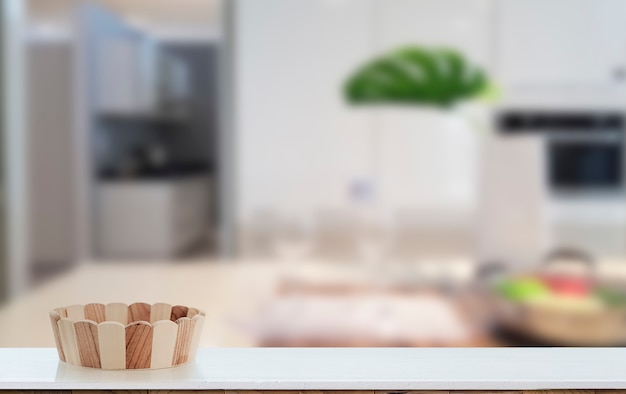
column 148, row 77
column 117, row 74
column 127, row 75
column 560, row 42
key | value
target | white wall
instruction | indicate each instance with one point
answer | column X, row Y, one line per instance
column 427, row 164
column 300, row 147
column 566, row 53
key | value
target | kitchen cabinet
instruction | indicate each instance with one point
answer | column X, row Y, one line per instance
column 134, row 75
column 125, row 74
column 151, row 218
column 560, row 42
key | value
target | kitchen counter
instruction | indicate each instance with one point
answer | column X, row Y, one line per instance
column 172, row 171
column 231, row 294
column 333, row 369
column 148, row 177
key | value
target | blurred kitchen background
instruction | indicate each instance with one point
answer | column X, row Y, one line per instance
column 204, row 152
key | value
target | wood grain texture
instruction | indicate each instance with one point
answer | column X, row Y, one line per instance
column 362, row 392
column 112, row 345
column 76, row 312
column 139, row 311
column 178, row 311
column 183, row 341
column 195, row 392
column 110, row 391
column 195, row 336
column 304, row 392
column 39, row 391
column 67, row 333
column 95, row 312
column 116, row 312
column 88, row 346
column 560, row 392
column 138, row 345
column 54, row 320
column 61, row 311
column 160, row 311
column 192, row 312
column 164, row 334
column 489, row 392
column 413, row 392
column 284, row 392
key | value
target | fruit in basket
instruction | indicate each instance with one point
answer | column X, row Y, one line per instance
column 523, row 289
column 565, row 285
column 568, row 273
column 611, row 297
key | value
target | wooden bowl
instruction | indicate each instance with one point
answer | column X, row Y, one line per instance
column 119, row 336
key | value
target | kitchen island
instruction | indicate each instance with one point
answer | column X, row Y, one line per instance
column 325, row 369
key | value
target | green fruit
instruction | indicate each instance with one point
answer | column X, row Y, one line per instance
column 611, row 297
column 523, row 289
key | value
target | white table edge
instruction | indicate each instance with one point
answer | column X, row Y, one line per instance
column 334, row 369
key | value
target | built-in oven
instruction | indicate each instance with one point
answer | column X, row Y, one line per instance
column 584, row 150
column 585, row 162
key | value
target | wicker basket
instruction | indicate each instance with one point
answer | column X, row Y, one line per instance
column 602, row 327
column 119, row 336
column 597, row 325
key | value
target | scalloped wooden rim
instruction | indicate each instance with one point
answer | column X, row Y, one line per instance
column 62, row 313
column 111, row 322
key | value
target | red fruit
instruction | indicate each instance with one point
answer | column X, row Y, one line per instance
column 568, row 286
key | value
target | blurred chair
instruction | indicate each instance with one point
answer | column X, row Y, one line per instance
column 293, row 238
column 420, row 234
column 436, row 248
column 257, row 235
column 336, row 234
column 270, row 234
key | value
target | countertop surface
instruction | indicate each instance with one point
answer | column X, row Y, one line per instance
column 334, row 369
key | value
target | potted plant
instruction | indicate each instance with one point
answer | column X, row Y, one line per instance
column 413, row 76
column 427, row 159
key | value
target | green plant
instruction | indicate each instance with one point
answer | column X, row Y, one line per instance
column 416, row 76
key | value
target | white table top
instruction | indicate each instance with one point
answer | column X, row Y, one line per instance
column 334, row 369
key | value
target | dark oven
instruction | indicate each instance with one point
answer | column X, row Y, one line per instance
column 584, row 150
